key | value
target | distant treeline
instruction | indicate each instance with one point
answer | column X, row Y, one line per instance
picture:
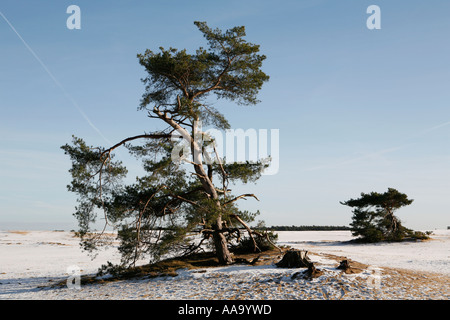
column 308, row 228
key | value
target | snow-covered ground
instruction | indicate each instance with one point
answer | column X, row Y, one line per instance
column 31, row 260
column 432, row 255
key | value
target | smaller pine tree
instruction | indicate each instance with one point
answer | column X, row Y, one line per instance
column 374, row 220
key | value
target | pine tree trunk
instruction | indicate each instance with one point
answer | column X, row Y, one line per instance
column 221, row 244
column 222, row 252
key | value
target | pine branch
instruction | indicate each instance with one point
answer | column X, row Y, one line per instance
column 240, row 197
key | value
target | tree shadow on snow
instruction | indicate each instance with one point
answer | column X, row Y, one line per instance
column 27, row 285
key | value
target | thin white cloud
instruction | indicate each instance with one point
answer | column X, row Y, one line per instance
column 377, row 154
column 355, row 160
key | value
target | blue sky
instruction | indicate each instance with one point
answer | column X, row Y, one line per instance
column 358, row 110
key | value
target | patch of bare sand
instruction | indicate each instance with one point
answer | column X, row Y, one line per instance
column 19, row 232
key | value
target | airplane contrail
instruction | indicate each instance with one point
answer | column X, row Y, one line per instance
column 434, row 128
column 68, row 96
column 380, row 152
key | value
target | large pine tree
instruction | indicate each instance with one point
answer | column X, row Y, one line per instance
column 160, row 211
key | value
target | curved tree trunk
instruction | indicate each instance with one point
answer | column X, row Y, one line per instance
column 221, row 246
column 220, row 242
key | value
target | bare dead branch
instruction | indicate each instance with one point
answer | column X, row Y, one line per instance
column 192, row 248
column 240, row 197
column 248, row 230
column 266, row 235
